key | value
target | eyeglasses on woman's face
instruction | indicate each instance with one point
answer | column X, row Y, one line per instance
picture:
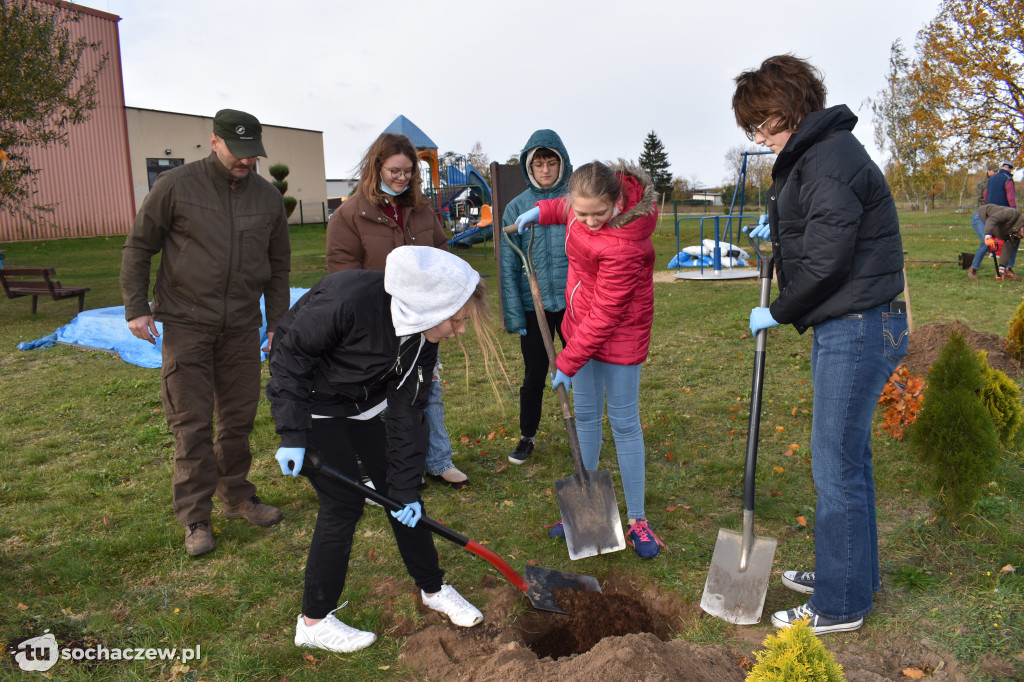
column 398, row 173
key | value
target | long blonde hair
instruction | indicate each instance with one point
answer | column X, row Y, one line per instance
column 477, row 310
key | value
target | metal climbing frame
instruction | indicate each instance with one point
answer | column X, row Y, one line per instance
column 733, row 215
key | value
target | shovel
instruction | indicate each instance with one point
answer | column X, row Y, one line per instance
column 538, row 586
column 586, row 499
column 742, row 562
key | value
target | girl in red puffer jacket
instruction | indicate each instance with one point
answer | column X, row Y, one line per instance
column 610, row 214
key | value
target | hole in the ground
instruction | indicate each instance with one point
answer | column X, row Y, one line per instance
column 589, row 618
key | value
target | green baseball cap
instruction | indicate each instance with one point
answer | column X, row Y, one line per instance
column 242, row 133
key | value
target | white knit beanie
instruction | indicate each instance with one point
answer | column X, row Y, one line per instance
column 427, row 287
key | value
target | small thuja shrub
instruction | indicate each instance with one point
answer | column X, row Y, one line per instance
column 1015, row 339
column 1001, row 397
column 954, row 435
column 902, row 398
column 795, row 655
column 279, row 172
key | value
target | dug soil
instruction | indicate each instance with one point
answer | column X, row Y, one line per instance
column 927, row 340
column 628, row 632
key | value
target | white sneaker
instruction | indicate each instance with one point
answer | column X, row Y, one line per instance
column 452, row 604
column 333, row 635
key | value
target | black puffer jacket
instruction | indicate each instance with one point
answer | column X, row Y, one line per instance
column 835, row 232
column 335, row 353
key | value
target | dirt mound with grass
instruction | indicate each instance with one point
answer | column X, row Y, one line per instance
column 927, row 340
column 627, row 632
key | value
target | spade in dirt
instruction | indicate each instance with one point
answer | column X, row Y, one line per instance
column 539, row 585
column 586, row 499
column 742, row 562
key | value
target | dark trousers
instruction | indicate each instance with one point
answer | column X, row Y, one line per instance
column 340, row 442
column 535, row 376
column 205, row 374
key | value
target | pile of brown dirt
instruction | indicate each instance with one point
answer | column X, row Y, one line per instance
column 504, row 647
column 927, row 340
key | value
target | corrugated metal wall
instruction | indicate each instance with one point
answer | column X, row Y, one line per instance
column 91, row 177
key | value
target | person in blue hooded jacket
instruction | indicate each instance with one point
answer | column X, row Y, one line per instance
column 546, row 167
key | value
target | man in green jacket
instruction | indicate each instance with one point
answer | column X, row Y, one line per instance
column 223, row 234
column 546, row 167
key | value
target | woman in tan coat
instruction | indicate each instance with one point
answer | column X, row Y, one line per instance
column 389, row 210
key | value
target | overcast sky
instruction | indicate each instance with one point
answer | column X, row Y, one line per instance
column 600, row 73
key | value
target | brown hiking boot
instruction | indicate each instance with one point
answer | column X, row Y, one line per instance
column 253, row 511
column 199, row 538
column 972, row 273
column 1009, row 275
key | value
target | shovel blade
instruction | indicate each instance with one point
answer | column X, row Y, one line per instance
column 544, row 581
column 733, row 595
column 590, row 515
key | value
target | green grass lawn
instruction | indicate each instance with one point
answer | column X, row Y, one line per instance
column 92, row 553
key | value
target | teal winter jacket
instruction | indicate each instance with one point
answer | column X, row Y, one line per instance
column 549, row 257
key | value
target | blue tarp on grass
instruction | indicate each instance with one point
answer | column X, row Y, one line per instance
column 106, row 329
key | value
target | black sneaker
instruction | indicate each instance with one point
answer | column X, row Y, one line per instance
column 522, row 451
column 800, row 581
column 819, row 625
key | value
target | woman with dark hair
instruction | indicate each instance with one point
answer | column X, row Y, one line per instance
column 839, row 261
column 389, row 210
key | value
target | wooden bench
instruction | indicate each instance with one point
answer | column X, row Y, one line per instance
column 36, row 282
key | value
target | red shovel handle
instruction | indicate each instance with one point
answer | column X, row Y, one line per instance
column 496, row 561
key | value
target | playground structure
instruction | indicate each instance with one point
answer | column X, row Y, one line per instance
column 459, row 193
column 724, row 226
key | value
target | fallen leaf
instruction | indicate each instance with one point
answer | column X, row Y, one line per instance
column 508, row 503
column 669, row 456
column 491, row 435
column 106, row 521
column 794, row 446
column 913, row 673
column 384, row 667
column 308, row 657
column 177, row 610
column 687, row 506
column 802, row 521
column 501, row 468
column 532, row 562
column 788, row 453
column 464, row 439
column 776, row 493
column 372, row 555
column 1008, row 568
column 793, row 412
column 22, row 607
column 672, row 507
column 778, row 470
column 780, row 429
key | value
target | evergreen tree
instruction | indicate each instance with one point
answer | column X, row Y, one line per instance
column 654, row 160
column 954, row 434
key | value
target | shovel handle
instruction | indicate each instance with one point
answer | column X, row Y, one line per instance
column 315, row 466
column 757, row 383
column 549, row 346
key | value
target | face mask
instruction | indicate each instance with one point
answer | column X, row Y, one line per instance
column 387, row 190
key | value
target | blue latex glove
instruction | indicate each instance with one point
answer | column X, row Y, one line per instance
column 560, row 377
column 531, row 216
column 761, row 318
column 410, row 514
column 521, row 332
column 761, row 230
column 290, row 460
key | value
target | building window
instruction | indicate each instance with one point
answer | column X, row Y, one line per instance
column 155, row 167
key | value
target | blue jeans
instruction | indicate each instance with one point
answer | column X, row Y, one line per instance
column 979, row 229
column 439, row 448
column 852, row 357
column 594, row 382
